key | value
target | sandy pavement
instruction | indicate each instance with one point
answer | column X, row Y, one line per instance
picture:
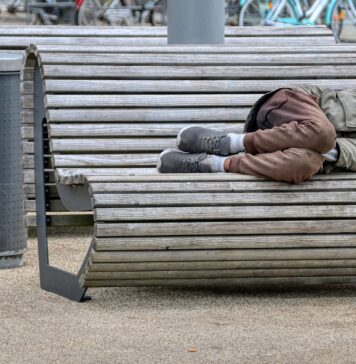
column 164, row 325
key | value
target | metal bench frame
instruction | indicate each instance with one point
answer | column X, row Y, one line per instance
column 52, row 278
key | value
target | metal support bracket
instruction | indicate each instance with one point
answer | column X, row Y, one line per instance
column 52, row 279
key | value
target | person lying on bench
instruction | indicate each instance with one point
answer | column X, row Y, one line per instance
column 290, row 135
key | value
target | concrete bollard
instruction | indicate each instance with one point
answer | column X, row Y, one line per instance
column 196, row 21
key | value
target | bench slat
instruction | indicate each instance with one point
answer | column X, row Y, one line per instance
column 172, row 49
column 215, row 273
column 283, row 198
column 111, row 145
column 24, row 41
column 240, row 264
column 225, row 212
column 155, row 31
column 240, row 282
column 149, row 115
column 225, row 242
column 139, row 101
column 197, row 86
column 231, row 255
column 215, row 227
column 198, row 72
column 228, row 186
column 106, row 160
column 197, row 59
column 134, row 130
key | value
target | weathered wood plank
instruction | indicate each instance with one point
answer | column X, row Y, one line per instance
column 227, row 187
column 231, row 255
column 212, row 228
column 225, row 242
column 239, row 264
column 20, row 42
column 106, row 160
column 71, row 31
column 199, row 49
column 198, row 72
column 239, row 282
column 77, row 175
column 198, row 86
column 237, row 213
column 178, row 100
column 212, row 177
column 208, row 198
column 190, row 115
column 197, row 59
column 132, row 130
column 111, row 145
column 206, row 274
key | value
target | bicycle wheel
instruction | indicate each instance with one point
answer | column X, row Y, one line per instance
column 254, row 12
column 343, row 20
column 93, row 12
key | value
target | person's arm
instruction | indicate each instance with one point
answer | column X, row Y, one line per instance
column 310, row 90
column 347, row 153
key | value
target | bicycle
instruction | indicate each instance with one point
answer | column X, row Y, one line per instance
column 334, row 13
column 121, row 12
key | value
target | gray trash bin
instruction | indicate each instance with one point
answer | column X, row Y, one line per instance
column 13, row 235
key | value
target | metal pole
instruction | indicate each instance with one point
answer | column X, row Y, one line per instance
column 196, row 21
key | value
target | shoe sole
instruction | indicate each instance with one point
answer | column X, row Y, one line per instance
column 159, row 164
column 182, row 131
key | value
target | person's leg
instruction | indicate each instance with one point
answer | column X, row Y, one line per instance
column 293, row 165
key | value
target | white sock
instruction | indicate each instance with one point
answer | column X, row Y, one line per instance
column 215, row 162
column 236, row 143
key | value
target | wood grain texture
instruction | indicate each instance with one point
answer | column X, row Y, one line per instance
column 236, row 213
column 224, row 242
column 140, row 101
column 70, row 31
column 219, row 282
column 126, row 129
column 200, row 49
column 198, row 72
column 196, row 86
column 208, row 198
column 211, row 228
column 148, row 115
column 223, row 255
column 239, row 264
column 207, row 274
column 197, row 59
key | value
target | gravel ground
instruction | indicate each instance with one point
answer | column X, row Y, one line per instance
column 163, row 325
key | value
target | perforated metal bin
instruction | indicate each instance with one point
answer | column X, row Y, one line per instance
column 13, row 234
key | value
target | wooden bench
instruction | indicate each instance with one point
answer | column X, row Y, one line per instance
column 107, row 117
column 137, row 41
column 90, row 40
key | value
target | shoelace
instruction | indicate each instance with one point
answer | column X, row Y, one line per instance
column 191, row 165
column 211, row 143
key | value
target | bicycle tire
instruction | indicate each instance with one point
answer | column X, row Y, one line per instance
column 258, row 10
column 88, row 13
column 339, row 12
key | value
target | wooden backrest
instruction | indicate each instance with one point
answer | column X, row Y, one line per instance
column 21, row 37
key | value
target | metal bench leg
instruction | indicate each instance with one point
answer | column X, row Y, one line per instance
column 52, row 279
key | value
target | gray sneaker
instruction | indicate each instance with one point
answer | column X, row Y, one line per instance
column 176, row 161
column 196, row 139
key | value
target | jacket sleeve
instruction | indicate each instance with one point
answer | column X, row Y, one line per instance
column 347, row 153
column 310, row 90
